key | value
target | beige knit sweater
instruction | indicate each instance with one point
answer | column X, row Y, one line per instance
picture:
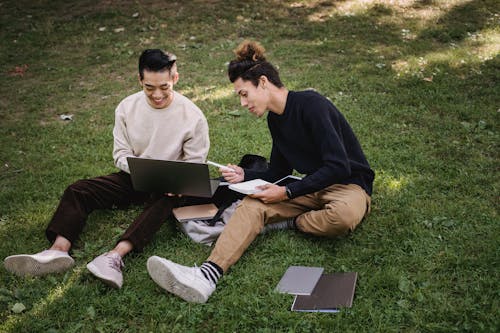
column 177, row 132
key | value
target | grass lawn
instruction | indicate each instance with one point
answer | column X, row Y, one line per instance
column 417, row 79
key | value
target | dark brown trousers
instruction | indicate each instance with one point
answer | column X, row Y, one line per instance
column 106, row 192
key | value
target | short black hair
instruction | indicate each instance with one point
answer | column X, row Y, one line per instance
column 155, row 60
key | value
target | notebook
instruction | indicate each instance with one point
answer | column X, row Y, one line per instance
column 178, row 177
column 195, row 212
column 333, row 291
column 299, row 280
column 250, row 186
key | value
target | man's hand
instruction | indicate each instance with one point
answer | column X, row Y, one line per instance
column 236, row 176
column 271, row 193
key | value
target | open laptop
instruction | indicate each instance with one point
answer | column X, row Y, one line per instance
column 186, row 178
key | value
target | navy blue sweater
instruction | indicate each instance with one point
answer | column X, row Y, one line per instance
column 314, row 138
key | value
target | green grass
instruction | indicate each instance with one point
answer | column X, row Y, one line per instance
column 418, row 81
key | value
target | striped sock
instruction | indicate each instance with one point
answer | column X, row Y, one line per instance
column 211, row 271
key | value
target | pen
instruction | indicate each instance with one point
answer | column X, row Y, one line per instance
column 221, row 166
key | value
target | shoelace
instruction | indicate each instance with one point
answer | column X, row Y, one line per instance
column 116, row 263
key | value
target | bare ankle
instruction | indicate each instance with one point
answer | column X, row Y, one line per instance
column 61, row 244
column 122, row 248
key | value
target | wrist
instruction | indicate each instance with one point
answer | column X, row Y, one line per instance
column 288, row 193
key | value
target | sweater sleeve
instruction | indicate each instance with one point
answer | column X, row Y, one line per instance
column 121, row 142
column 324, row 129
column 197, row 143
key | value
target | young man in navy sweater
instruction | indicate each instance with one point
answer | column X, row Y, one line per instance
column 309, row 135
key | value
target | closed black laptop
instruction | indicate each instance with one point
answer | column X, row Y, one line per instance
column 186, row 178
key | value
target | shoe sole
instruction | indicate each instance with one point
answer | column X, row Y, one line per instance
column 95, row 271
column 24, row 265
column 168, row 280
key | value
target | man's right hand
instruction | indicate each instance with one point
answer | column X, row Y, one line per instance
column 236, row 176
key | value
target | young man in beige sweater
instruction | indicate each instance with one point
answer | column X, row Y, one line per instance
column 156, row 122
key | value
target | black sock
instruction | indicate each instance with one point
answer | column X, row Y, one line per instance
column 282, row 225
column 291, row 223
column 211, row 271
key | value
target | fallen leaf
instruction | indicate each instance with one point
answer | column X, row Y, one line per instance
column 428, row 79
column 18, row 308
column 404, row 284
column 403, row 303
column 19, row 70
column 66, row 117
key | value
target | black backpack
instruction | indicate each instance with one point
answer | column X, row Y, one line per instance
column 224, row 197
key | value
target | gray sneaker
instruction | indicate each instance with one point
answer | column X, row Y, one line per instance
column 108, row 268
column 41, row 263
column 188, row 283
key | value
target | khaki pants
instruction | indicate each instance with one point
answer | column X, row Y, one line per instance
column 330, row 212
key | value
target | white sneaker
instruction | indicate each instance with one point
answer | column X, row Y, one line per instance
column 41, row 263
column 108, row 268
column 188, row 283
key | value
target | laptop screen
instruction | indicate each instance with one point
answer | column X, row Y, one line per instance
column 177, row 177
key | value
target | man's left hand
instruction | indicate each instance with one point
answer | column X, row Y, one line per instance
column 271, row 193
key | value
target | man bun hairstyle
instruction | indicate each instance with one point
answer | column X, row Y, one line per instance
column 252, row 51
column 250, row 64
column 155, row 60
